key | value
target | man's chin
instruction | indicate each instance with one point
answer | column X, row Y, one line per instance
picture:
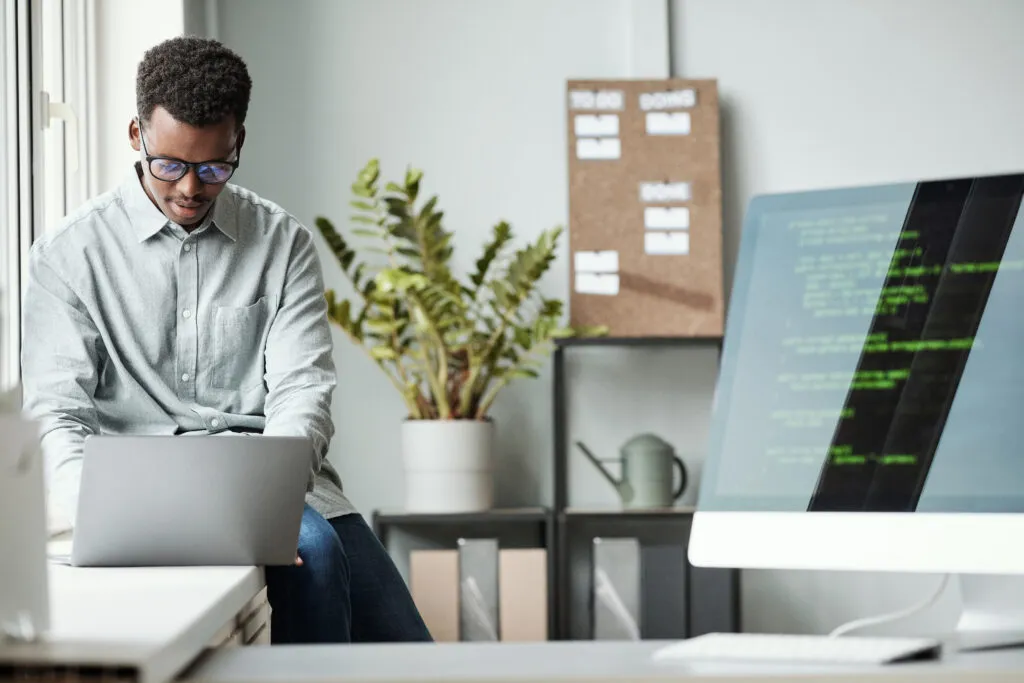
column 186, row 215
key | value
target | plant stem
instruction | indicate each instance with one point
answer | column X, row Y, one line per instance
column 438, row 381
column 499, row 333
column 435, row 387
column 489, row 396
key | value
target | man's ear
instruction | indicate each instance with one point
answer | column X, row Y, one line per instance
column 240, row 141
column 133, row 135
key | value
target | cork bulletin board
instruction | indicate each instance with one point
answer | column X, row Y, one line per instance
column 645, row 207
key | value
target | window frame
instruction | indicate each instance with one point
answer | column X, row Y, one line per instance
column 48, row 140
column 16, row 192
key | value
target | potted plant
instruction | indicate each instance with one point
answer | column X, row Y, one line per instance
column 448, row 345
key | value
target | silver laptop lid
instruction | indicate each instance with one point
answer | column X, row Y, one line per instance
column 226, row 499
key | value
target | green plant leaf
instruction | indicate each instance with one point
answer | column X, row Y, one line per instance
column 448, row 343
column 383, row 353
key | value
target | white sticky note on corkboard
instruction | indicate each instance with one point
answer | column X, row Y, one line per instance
column 666, row 218
column 605, row 284
column 598, row 148
column 597, row 261
column 596, row 125
column 667, row 243
column 668, row 123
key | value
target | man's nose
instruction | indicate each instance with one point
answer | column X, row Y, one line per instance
column 190, row 185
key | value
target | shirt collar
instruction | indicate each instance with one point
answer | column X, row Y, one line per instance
column 149, row 220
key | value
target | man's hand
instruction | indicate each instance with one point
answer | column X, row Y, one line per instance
column 298, row 561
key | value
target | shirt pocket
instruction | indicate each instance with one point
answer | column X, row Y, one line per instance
column 239, row 334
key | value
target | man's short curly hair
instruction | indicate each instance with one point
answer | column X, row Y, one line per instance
column 198, row 81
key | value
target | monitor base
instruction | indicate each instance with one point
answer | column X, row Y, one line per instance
column 992, row 615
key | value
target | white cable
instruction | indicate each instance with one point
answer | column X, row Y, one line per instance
column 893, row 616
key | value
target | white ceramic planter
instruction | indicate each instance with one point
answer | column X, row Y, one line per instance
column 449, row 465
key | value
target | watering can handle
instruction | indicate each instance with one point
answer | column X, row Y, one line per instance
column 682, row 477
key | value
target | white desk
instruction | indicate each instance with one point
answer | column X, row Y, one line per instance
column 144, row 625
column 575, row 662
column 156, row 625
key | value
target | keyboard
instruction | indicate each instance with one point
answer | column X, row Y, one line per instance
column 797, row 649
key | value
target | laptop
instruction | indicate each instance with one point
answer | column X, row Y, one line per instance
column 206, row 500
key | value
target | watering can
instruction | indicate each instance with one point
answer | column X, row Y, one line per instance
column 648, row 464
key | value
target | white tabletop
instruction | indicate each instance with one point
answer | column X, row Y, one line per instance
column 153, row 620
column 578, row 662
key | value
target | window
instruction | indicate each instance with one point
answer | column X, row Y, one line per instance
column 15, row 176
column 65, row 82
column 47, row 82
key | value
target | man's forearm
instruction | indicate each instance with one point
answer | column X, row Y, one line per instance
column 303, row 409
column 300, row 369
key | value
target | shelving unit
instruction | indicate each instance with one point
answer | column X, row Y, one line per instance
column 711, row 596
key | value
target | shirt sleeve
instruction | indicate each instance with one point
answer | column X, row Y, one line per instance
column 61, row 357
column 300, row 371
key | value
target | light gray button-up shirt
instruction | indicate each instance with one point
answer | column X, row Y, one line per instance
column 134, row 326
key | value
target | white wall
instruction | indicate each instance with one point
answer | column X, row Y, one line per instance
column 125, row 29
column 849, row 92
column 814, row 94
column 472, row 93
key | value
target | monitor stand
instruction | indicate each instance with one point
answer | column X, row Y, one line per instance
column 992, row 615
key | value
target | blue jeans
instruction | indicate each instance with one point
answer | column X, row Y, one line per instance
column 347, row 589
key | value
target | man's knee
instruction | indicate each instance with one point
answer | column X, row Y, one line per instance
column 320, row 548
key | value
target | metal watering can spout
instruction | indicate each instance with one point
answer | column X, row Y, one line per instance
column 623, row 487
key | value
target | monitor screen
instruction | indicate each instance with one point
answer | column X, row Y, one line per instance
column 874, row 353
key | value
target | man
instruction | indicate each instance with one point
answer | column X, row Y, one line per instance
column 179, row 303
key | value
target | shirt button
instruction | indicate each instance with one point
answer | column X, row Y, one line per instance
column 188, row 247
column 184, row 378
column 214, row 422
column 186, row 313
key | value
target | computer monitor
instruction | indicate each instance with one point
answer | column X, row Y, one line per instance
column 869, row 412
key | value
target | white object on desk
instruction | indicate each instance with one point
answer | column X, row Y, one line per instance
column 153, row 622
column 797, row 649
column 24, row 599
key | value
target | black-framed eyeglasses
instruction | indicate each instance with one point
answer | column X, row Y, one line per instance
column 169, row 169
